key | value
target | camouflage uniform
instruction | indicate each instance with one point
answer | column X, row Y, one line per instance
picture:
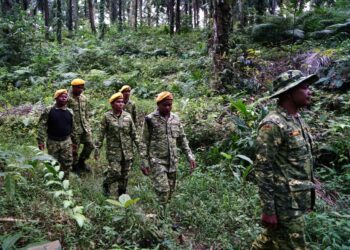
column 130, row 107
column 121, row 134
column 159, row 151
column 59, row 149
column 284, row 170
column 79, row 105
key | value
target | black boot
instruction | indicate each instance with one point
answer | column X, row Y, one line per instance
column 121, row 191
column 83, row 167
column 106, row 190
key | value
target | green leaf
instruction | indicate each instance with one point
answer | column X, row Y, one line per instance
column 124, row 198
column 115, row 203
column 79, row 218
column 227, row 156
column 49, row 183
column 65, row 184
column 131, row 202
column 246, row 172
column 10, row 185
column 78, row 209
column 67, row 203
column 10, row 241
column 56, row 194
column 246, row 158
column 61, row 175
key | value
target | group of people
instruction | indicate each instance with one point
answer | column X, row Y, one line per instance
column 65, row 126
column 283, row 165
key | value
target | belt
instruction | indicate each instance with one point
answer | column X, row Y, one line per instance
column 56, row 138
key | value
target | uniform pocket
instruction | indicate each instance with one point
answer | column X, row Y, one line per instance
column 175, row 130
column 301, row 194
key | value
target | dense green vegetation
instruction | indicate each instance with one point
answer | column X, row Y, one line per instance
column 217, row 207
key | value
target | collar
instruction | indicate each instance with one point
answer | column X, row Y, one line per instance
column 285, row 113
column 63, row 107
column 171, row 116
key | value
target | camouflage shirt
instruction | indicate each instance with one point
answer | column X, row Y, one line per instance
column 43, row 125
column 79, row 105
column 130, row 107
column 284, row 164
column 160, row 138
column 120, row 134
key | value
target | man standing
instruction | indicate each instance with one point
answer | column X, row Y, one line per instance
column 129, row 106
column 162, row 133
column 56, row 124
column 79, row 104
column 284, row 165
column 120, row 133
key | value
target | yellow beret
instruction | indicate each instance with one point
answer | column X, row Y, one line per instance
column 60, row 92
column 115, row 96
column 164, row 95
column 77, row 82
column 125, row 87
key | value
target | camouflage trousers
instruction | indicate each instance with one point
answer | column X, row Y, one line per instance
column 117, row 171
column 289, row 235
column 164, row 182
column 84, row 138
column 62, row 151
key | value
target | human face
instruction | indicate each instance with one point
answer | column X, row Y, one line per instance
column 126, row 95
column 301, row 95
column 78, row 89
column 118, row 105
column 165, row 107
column 62, row 100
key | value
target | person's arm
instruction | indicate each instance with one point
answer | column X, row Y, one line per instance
column 144, row 147
column 101, row 136
column 42, row 129
column 268, row 143
column 134, row 114
column 134, row 136
column 183, row 144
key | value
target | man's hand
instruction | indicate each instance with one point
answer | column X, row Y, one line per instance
column 41, row 146
column 193, row 165
column 145, row 170
column 269, row 221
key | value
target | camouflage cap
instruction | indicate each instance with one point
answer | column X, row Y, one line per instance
column 289, row 80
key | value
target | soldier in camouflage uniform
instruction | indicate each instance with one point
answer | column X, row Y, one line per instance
column 129, row 106
column 284, row 165
column 118, row 128
column 162, row 134
column 79, row 104
column 56, row 124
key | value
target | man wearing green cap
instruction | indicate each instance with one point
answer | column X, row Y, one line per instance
column 284, row 165
column 78, row 102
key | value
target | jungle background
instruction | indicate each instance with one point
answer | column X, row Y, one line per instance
column 219, row 59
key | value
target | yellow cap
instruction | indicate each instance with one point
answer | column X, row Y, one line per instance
column 60, row 92
column 77, row 82
column 115, row 96
column 125, row 87
column 164, row 95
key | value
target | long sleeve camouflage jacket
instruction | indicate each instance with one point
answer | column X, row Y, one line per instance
column 130, row 107
column 120, row 133
column 284, row 164
column 82, row 112
column 160, row 139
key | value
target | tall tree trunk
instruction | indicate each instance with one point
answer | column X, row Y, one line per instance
column 113, row 11
column 25, row 4
column 149, row 12
column 220, row 39
column 70, row 17
column 140, row 12
column 76, row 14
column 6, row 5
column 195, row 5
column 186, row 7
column 92, row 16
column 101, row 22
column 135, row 14
column 46, row 18
column 157, row 14
column 205, row 16
column 177, row 17
column 120, row 15
column 190, row 12
column 59, row 22
column 86, row 15
column 171, row 16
